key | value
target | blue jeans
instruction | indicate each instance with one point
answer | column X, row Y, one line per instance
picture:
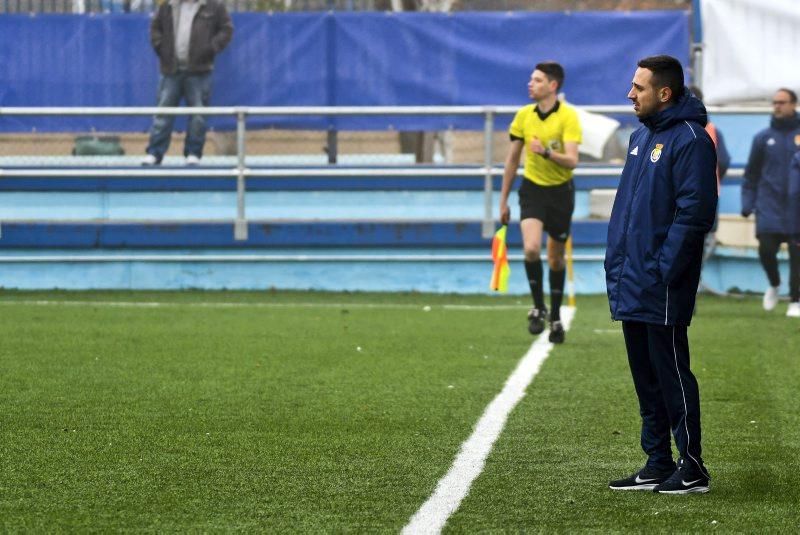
column 196, row 90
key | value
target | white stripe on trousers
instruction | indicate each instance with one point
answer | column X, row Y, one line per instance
column 685, row 407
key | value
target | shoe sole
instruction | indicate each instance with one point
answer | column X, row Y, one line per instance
column 535, row 332
column 693, row 490
column 649, row 486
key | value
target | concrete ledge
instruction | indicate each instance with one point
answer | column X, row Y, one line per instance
column 601, row 201
column 735, row 231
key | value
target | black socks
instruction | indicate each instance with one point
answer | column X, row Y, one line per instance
column 556, row 293
column 535, row 276
column 534, row 272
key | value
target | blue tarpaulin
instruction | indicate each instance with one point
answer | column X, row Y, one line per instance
column 315, row 59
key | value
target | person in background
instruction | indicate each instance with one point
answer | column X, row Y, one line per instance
column 549, row 132
column 765, row 192
column 186, row 36
column 665, row 205
column 793, row 199
column 723, row 163
column 723, row 156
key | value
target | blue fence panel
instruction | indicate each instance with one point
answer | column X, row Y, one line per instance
column 479, row 58
column 320, row 234
column 332, row 59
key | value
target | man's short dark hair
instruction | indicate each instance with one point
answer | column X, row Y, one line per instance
column 553, row 71
column 667, row 72
column 792, row 94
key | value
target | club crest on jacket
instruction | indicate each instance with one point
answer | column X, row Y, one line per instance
column 656, row 153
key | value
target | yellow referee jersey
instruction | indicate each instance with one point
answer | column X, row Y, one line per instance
column 558, row 127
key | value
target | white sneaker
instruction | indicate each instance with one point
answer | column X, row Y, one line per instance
column 192, row 160
column 770, row 298
column 794, row 310
column 149, row 159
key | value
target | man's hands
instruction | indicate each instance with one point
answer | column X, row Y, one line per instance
column 536, row 146
column 505, row 213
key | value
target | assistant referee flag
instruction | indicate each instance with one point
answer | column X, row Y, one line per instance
column 501, row 270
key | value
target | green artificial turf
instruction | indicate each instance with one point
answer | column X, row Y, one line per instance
column 578, row 428
column 221, row 411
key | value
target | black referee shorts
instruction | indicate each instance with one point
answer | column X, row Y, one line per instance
column 552, row 205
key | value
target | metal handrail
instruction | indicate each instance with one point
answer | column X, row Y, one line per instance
column 338, row 110
column 382, row 258
column 294, row 172
column 241, row 171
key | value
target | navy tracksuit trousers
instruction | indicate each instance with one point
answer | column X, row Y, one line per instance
column 667, row 389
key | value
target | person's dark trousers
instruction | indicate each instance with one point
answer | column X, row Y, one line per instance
column 667, row 390
column 196, row 90
column 794, row 269
column 768, row 245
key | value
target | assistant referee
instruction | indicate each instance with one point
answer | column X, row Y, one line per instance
column 549, row 132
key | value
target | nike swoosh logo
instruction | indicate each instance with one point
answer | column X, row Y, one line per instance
column 688, row 483
column 640, row 480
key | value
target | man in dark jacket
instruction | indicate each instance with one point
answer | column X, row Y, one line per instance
column 186, row 35
column 793, row 207
column 765, row 192
column 665, row 205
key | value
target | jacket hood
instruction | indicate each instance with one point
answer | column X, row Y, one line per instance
column 687, row 108
column 790, row 123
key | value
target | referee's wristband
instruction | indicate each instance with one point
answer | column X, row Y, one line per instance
column 546, row 154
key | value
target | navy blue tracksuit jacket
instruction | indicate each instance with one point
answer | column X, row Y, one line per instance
column 765, row 190
column 666, row 203
column 793, row 198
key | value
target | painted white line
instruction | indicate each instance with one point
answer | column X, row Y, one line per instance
column 160, row 304
column 486, row 307
column 608, row 331
column 469, row 463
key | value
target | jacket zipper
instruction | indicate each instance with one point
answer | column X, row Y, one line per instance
column 666, row 307
column 628, row 214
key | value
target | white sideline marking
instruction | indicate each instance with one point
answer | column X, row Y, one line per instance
column 158, row 304
column 469, row 463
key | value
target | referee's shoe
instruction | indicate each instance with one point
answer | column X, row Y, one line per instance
column 536, row 319
column 689, row 478
column 645, row 479
column 556, row 332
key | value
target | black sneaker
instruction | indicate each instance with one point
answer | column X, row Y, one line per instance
column 645, row 479
column 687, row 479
column 536, row 318
column 556, row 332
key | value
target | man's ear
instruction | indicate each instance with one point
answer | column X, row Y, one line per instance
column 664, row 94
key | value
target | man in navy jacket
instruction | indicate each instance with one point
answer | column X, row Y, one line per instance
column 793, row 206
column 665, row 205
column 765, row 191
